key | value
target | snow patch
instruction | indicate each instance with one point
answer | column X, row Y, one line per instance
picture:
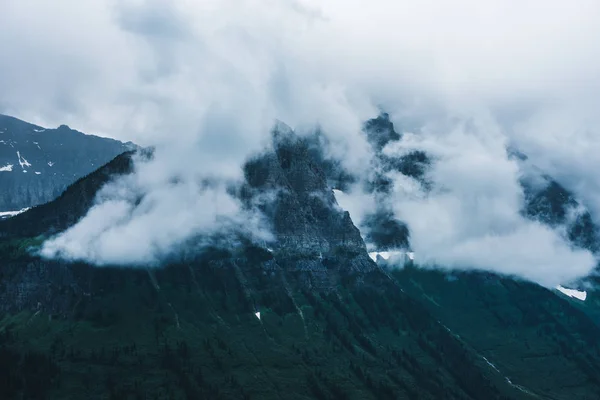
column 578, row 294
column 38, row 130
column 50, row 163
column 257, row 314
column 6, row 168
column 490, row 364
column 37, row 144
column 8, row 214
column 386, row 255
column 38, row 173
column 22, row 161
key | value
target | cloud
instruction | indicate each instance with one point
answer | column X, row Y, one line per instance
column 204, row 81
column 144, row 218
column 472, row 217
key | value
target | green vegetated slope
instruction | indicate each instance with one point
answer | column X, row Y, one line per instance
column 538, row 339
column 190, row 331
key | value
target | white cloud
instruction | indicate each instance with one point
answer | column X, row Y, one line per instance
column 204, row 81
column 142, row 218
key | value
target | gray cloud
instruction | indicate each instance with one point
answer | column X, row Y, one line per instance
column 142, row 218
column 472, row 219
column 205, row 80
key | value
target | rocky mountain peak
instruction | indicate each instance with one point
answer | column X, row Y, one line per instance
column 306, row 219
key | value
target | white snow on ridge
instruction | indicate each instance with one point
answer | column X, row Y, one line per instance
column 22, row 161
column 257, row 314
column 38, row 173
column 386, row 255
column 6, row 168
column 578, row 294
column 8, row 214
column 38, row 130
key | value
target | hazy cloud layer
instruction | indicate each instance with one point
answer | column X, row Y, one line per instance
column 142, row 218
column 205, row 80
column 472, row 217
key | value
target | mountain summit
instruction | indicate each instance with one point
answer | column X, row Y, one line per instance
column 304, row 315
column 37, row 164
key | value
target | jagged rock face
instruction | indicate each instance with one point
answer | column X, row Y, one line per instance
column 380, row 131
column 37, row 164
column 549, row 205
column 385, row 232
column 554, row 205
column 337, row 177
column 306, row 220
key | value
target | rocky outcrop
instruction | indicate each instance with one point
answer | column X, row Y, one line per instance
column 37, row 164
column 312, row 233
column 550, row 203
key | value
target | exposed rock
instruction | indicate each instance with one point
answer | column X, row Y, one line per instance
column 37, row 164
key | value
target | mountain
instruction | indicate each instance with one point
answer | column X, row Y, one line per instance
column 37, row 164
column 540, row 341
column 308, row 315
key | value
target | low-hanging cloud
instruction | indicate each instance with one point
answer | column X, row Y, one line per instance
column 141, row 219
column 203, row 81
column 472, row 218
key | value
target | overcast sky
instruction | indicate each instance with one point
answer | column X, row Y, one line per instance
column 209, row 77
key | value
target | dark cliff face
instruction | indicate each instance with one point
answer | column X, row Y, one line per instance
column 382, row 230
column 306, row 218
column 312, row 233
column 553, row 205
column 37, row 164
column 380, row 131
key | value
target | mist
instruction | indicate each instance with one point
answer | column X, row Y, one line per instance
column 204, row 83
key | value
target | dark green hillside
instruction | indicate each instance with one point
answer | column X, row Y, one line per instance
column 539, row 339
column 190, row 331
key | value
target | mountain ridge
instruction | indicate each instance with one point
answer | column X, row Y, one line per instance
column 309, row 315
column 37, row 164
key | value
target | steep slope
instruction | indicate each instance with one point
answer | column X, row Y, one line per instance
column 37, row 164
column 69, row 207
column 312, row 318
column 539, row 340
